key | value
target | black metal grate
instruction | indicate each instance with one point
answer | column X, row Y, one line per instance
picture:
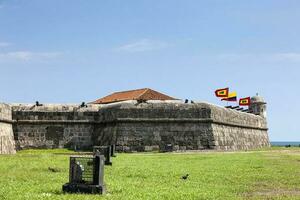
column 86, row 175
column 82, row 170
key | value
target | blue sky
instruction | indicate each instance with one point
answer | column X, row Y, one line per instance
column 76, row 50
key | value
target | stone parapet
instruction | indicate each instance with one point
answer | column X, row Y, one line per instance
column 230, row 116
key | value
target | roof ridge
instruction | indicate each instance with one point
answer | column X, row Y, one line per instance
column 146, row 90
column 143, row 93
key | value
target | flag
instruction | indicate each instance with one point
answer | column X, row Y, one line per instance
column 222, row 92
column 231, row 97
column 245, row 101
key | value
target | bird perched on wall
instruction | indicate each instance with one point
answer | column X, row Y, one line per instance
column 38, row 104
column 83, row 105
column 185, row 177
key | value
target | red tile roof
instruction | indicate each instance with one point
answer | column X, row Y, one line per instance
column 140, row 94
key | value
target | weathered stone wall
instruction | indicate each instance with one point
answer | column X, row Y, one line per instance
column 237, row 138
column 152, row 136
column 54, row 135
column 132, row 110
column 234, row 117
column 151, row 126
column 54, row 126
column 234, row 130
column 7, row 143
column 136, row 126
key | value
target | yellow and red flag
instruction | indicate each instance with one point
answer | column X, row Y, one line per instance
column 224, row 92
column 245, row 101
column 231, row 97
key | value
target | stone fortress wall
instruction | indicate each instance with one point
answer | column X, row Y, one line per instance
column 135, row 126
column 235, row 130
column 7, row 143
column 54, row 125
column 153, row 125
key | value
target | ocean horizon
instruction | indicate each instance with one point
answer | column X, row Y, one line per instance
column 284, row 143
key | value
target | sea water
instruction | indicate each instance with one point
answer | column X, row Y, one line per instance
column 277, row 143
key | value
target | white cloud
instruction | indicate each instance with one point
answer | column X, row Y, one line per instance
column 28, row 55
column 142, row 45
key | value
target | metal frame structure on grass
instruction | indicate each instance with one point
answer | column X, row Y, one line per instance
column 86, row 175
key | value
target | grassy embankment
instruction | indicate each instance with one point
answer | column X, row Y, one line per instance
column 265, row 174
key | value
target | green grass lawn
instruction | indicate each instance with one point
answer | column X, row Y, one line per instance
column 266, row 174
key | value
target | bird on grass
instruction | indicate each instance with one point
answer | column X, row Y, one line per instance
column 185, row 177
column 53, row 169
